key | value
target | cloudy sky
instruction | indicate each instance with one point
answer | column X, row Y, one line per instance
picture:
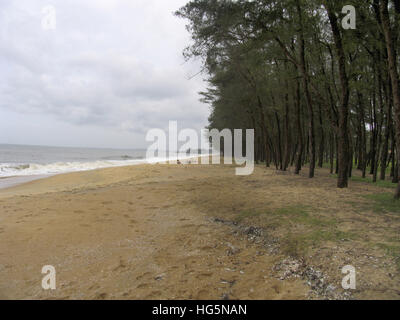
column 102, row 76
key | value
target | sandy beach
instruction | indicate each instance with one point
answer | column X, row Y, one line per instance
column 126, row 233
column 185, row 232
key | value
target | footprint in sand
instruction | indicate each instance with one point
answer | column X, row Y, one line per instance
column 203, row 295
column 101, row 296
column 127, row 293
column 94, row 287
column 142, row 286
column 121, row 265
column 204, row 275
column 277, row 289
column 174, row 268
column 154, row 295
column 207, row 248
column 143, row 275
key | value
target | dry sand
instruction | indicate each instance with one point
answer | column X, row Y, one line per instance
column 137, row 232
column 196, row 232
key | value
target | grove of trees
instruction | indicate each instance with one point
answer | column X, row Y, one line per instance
column 314, row 92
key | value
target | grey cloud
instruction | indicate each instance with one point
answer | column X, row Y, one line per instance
column 111, row 64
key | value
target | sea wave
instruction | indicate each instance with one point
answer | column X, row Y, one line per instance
column 30, row 169
column 10, row 170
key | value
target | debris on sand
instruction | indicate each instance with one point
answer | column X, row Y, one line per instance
column 232, row 250
column 289, row 268
column 160, row 277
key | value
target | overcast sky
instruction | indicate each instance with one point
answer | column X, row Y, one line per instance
column 107, row 73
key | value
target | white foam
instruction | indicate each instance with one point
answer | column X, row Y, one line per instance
column 21, row 169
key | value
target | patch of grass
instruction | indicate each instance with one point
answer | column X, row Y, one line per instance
column 294, row 243
column 248, row 214
column 355, row 166
column 394, row 239
column 296, row 211
column 298, row 245
column 298, row 214
column 384, row 203
column 302, row 215
column 333, row 235
column 379, row 183
column 294, row 246
column 393, row 250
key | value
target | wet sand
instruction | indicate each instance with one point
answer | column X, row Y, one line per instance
column 8, row 182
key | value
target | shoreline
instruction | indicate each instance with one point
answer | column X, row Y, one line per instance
column 17, row 180
column 9, row 182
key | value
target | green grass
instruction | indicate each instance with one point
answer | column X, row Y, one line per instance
column 317, row 228
column 298, row 214
column 380, row 183
column 298, row 244
column 248, row 214
column 327, row 165
column 301, row 215
column 384, row 203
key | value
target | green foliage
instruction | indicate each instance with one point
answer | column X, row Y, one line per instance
column 285, row 69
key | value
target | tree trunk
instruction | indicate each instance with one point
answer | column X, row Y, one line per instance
column 343, row 148
column 287, row 129
column 321, row 139
column 299, row 150
column 303, row 69
column 394, row 76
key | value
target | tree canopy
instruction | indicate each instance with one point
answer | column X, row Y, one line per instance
column 314, row 91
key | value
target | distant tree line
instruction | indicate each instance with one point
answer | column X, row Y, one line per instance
column 314, row 92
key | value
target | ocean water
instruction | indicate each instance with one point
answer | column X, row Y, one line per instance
column 23, row 161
